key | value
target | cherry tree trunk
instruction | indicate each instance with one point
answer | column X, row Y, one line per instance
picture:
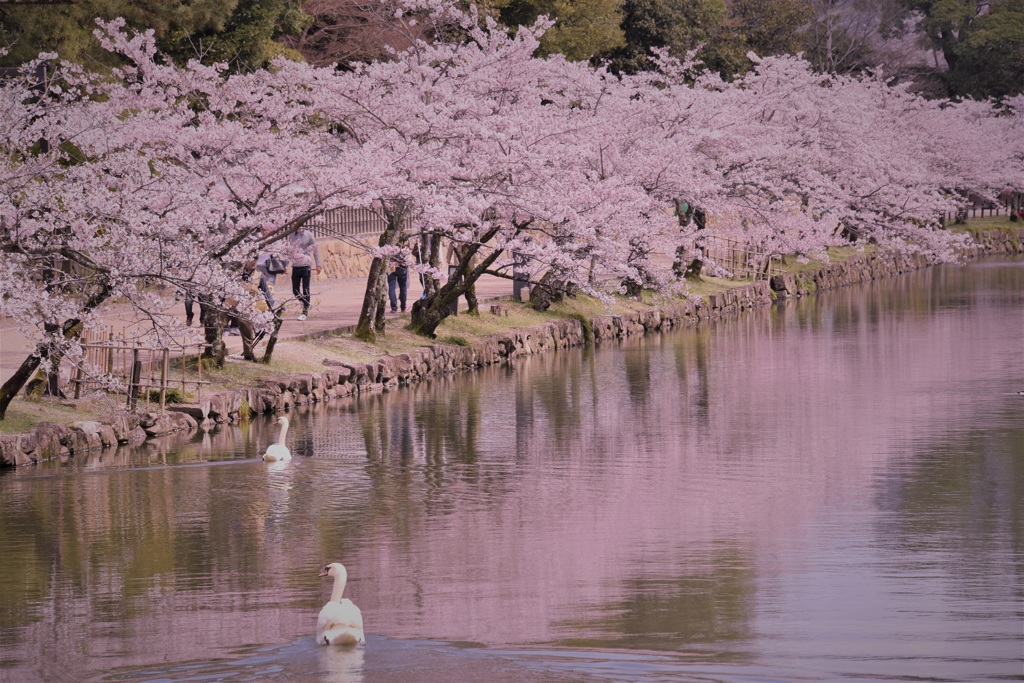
column 428, row 313
column 633, row 288
column 551, row 289
column 693, row 270
column 432, row 248
column 679, row 262
column 382, row 301
column 371, row 316
column 213, row 328
column 373, row 303
column 472, row 305
column 272, row 341
column 542, row 295
column 71, row 329
column 16, row 381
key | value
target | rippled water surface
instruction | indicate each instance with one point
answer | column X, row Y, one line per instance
column 827, row 490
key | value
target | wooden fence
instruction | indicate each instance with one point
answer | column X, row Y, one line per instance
column 348, row 223
column 976, row 212
column 742, row 261
column 143, row 370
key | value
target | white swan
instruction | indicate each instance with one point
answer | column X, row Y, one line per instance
column 278, row 452
column 340, row 621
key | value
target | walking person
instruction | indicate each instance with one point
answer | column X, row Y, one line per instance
column 304, row 254
column 189, row 308
column 255, row 284
column 417, row 253
column 271, row 265
column 269, row 262
column 398, row 274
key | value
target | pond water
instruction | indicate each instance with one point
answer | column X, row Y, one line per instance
column 827, row 490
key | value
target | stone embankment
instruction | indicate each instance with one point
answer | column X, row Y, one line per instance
column 337, row 379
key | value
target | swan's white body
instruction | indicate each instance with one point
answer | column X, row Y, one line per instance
column 278, row 452
column 340, row 621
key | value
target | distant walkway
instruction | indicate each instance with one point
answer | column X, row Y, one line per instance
column 336, row 305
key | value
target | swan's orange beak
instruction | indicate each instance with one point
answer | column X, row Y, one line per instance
column 323, row 573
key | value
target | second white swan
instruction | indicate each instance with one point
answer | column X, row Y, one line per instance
column 278, row 452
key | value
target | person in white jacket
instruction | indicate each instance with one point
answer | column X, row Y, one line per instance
column 304, row 254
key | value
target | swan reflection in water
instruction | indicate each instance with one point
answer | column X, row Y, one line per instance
column 340, row 665
column 277, row 465
column 280, row 482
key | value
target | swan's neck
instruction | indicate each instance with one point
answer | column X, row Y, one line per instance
column 280, row 439
column 339, row 588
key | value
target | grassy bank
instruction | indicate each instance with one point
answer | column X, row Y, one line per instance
column 293, row 356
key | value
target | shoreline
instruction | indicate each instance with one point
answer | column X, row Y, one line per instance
column 282, row 391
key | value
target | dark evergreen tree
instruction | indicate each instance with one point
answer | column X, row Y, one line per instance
column 982, row 43
column 680, row 25
column 772, row 27
column 240, row 32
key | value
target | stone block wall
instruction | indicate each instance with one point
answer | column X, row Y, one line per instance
column 343, row 259
column 883, row 264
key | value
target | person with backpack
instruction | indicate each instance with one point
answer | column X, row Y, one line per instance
column 256, row 284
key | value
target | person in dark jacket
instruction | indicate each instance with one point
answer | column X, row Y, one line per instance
column 256, row 283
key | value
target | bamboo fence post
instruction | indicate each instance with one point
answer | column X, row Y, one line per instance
column 108, row 365
column 133, row 378
column 163, row 379
column 199, row 365
column 184, row 363
column 79, row 373
column 78, row 369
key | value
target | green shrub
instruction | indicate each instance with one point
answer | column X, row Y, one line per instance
column 454, row 340
column 244, row 409
column 588, row 328
column 170, row 396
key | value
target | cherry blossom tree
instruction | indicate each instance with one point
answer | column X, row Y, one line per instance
column 148, row 181
column 154, row 179
column 497, row 150
column 793, row 161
